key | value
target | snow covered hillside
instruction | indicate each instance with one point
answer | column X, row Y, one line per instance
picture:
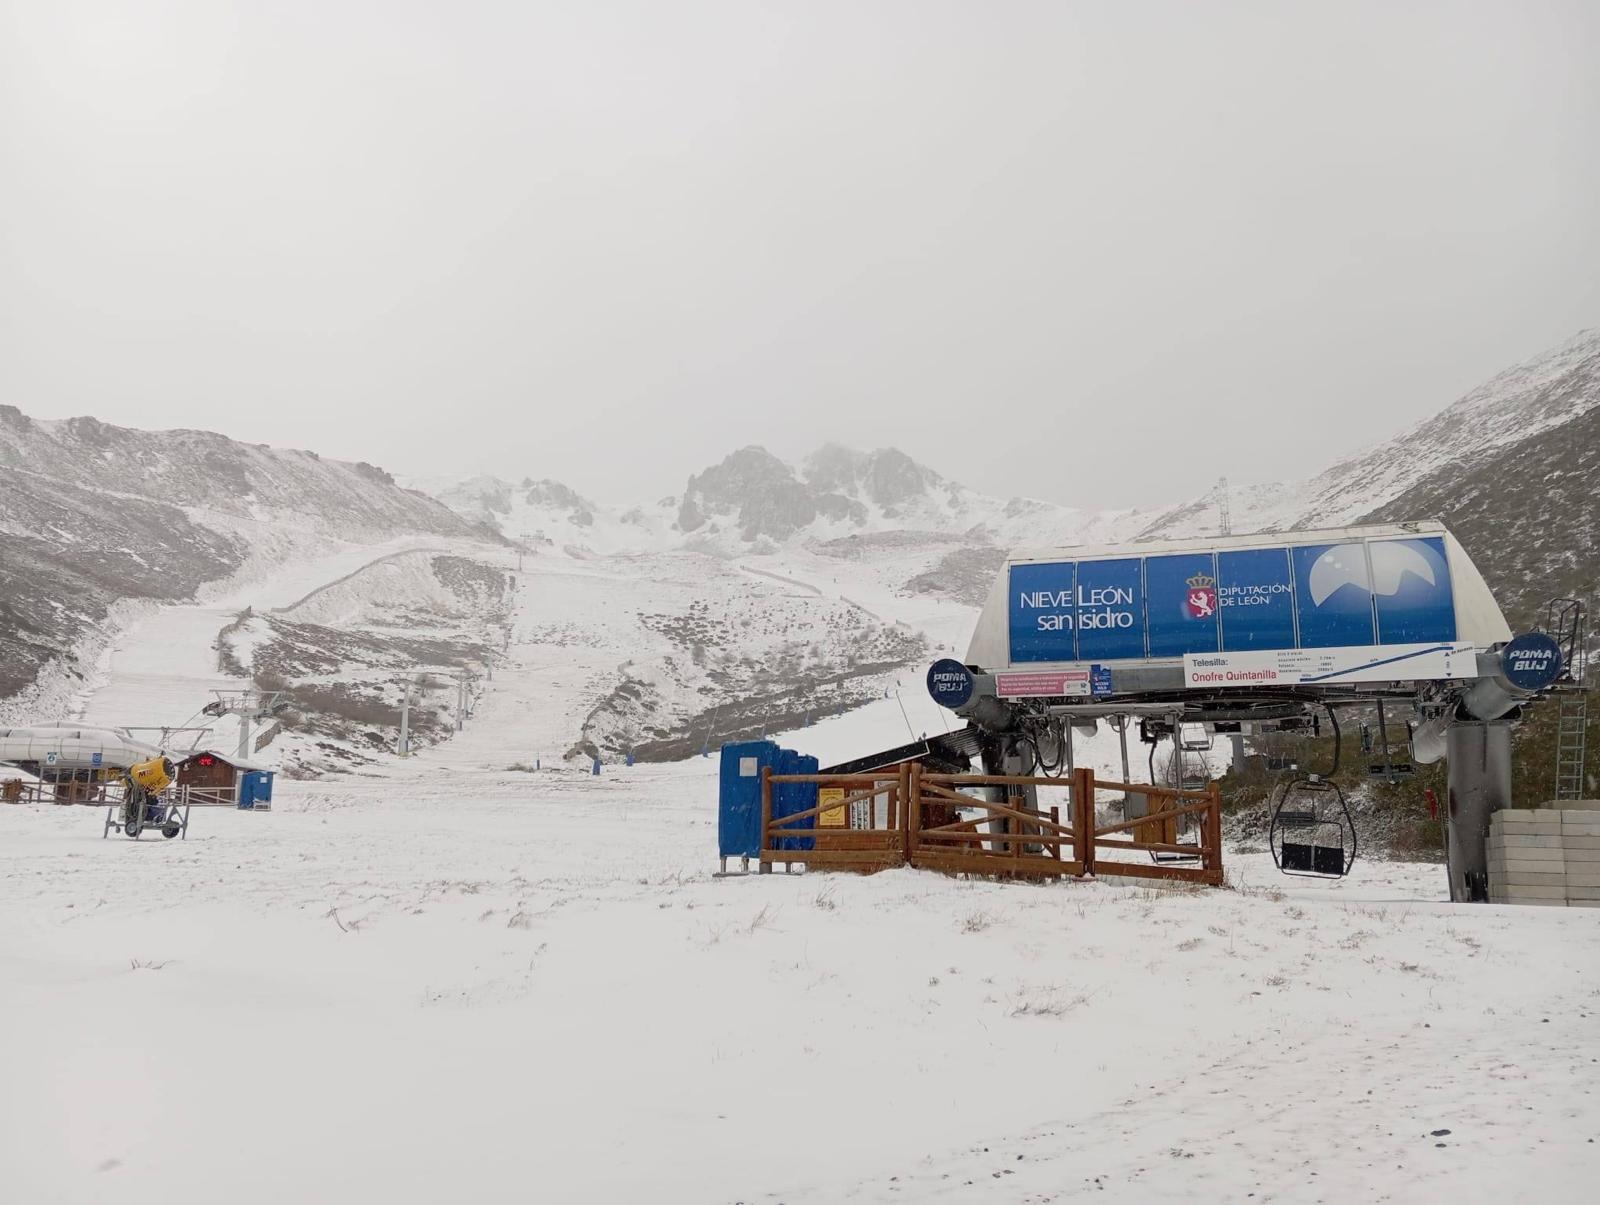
column 1524, row 494
column 344, row 653
column 1544, row 402
column 339, row 631
column 97, row 521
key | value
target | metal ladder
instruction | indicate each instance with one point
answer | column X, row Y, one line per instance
column 1565, row 622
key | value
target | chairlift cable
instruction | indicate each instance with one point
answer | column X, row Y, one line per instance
column 911, row 732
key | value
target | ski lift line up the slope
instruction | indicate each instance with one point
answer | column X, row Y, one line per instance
column 1257, row 635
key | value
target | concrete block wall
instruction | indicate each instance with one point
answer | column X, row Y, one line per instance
column 1548, row 856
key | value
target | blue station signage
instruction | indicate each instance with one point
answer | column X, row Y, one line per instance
column 1362, row 593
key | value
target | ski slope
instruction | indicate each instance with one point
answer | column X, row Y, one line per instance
column 161, row 668
column 445, row 980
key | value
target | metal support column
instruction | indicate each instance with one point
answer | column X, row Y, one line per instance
column 1479, row 786
column 405, row 722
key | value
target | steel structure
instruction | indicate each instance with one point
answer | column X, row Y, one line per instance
column 250, row 706
column 1566, row 622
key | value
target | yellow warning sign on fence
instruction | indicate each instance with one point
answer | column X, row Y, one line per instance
column 831, row 817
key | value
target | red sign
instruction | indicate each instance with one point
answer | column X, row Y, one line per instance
column 1042, row 684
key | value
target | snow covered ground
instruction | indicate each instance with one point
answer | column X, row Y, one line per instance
column 448, row 981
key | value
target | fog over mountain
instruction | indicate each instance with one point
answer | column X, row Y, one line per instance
column 93, row 515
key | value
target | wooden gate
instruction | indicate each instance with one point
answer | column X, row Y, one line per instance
column 1007, row 838
column 1155, row 834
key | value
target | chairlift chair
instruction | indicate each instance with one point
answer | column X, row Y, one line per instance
column 1181, row 773
column 1385, row 760
column 1277, row 753
column 1312, row 832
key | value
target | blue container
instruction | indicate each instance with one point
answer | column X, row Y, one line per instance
column 789, row 798
column 739, row 797
column 255, row 787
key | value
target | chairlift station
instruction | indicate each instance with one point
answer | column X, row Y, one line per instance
column 1261, row 634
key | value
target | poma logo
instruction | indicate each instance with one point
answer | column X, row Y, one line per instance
column 1201, row 602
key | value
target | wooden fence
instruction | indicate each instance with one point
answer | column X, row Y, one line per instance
column 108, row 792
column 899, row 817
column 67, row 791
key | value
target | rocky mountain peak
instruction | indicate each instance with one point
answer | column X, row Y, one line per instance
column 885, row 476
column 759, row 491
column 556, row 496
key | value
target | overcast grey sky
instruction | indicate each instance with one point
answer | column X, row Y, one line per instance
column 1099, row 253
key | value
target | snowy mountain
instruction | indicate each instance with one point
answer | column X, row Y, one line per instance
column 753, row 500
column 93, row 516
column 1528, row 511
column 1527, row 406
column 548, row 515
column 1514, row 469
column 767, row 592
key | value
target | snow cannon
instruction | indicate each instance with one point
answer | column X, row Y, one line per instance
column 154, row 775
column 141, row 805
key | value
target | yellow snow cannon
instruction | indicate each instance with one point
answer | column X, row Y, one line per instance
column 141, row 804
column 154, row 775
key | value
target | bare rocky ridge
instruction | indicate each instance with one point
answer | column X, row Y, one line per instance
column 759, row 493
column 1528, row 512
column 493, row 501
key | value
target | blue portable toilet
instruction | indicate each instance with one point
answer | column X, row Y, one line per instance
column 255, row 790
column 739, row 797
column 788, row 798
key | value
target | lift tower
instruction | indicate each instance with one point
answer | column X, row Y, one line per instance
column 250, row 706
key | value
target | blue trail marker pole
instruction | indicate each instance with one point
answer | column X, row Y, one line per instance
column 597, row 767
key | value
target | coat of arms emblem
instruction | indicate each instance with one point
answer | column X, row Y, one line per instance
column 1201, row 602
